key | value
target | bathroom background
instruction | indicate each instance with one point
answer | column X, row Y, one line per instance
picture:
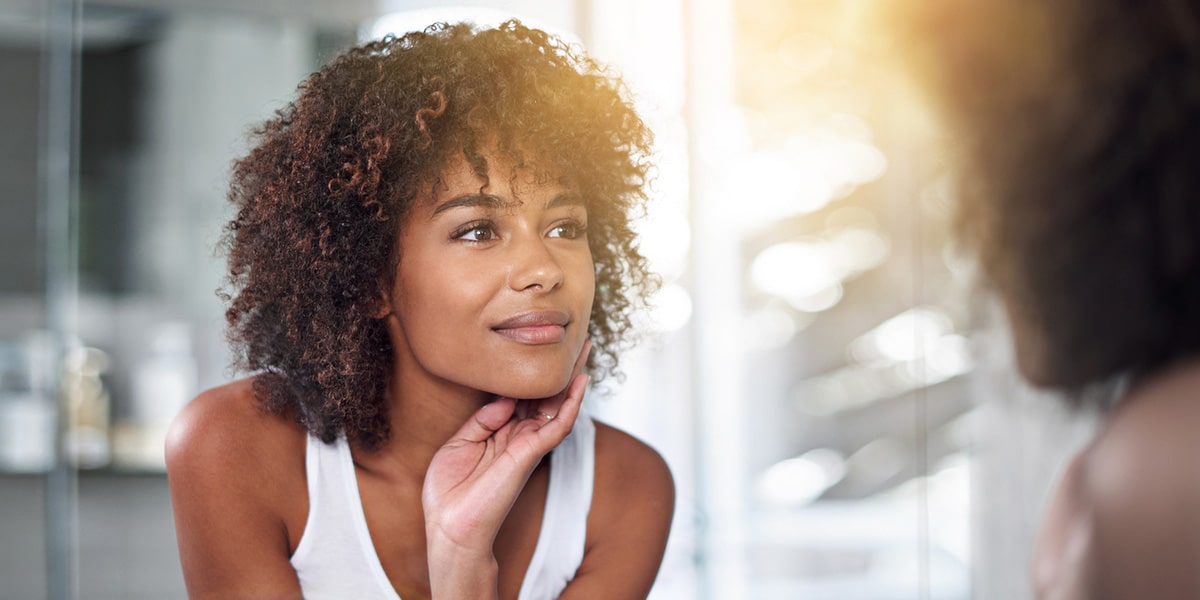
column 833, row 394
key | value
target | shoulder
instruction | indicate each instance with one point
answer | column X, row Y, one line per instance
column 223, row 423
column 1150, row 440
column 239, row 494
column 1141, row 488
column 223, row 439
column 626, row 465
column 633, row 502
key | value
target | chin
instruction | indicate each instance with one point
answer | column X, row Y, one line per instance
column 533, row 390
column 533, row 384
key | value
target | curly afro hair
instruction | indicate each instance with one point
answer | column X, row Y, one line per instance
column 331, row 176
column 1080, row 122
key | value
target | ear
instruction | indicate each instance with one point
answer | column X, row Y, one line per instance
column 383, row 305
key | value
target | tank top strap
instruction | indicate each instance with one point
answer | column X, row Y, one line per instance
column 335, row 557
column 560, row 545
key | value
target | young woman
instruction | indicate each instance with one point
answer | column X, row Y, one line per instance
column 428, row 242
column 1081, row 125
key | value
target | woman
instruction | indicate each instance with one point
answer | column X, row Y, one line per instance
column 1080, row 122
column 426, row 240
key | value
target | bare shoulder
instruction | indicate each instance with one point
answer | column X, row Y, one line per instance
column 239, row 494
column 633, row 502
column 225, row 430
column 627, row 465
column 1151, row 440
column 1141, row 488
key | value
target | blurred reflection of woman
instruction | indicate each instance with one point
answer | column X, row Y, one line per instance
column 1081, row 121
column 427, row 242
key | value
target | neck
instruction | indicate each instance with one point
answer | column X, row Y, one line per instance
column 423, row 414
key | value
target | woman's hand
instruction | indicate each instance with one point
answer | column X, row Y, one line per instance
column 476, row 476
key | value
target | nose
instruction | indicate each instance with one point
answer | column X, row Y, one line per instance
column 534, row 266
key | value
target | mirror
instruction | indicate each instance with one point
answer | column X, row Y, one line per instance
column 814, row 370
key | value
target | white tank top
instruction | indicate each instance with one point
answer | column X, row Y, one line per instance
column 336, row 560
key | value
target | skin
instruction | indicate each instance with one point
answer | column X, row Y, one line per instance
column 454, row 499
column 1123, row 522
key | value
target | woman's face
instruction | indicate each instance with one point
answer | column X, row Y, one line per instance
column 494, row 287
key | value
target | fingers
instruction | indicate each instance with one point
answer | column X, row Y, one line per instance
column 489, row 418
column 559, row 412
column 493, row 416
column 550, row 409
column 547, row 408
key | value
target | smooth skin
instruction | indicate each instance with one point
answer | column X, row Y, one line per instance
column 1124, row 523
column 1124, row 520
column 491, row 303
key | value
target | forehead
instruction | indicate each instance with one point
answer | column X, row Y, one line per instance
column 505, row 182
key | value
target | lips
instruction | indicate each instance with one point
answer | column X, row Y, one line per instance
column 535, row 327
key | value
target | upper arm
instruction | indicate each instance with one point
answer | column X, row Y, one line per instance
column 1142, row 487
column 632, row 505
column 227, row 469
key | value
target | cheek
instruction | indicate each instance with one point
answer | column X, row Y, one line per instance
column 587, row 277
column 436, row 302
column 441, row 311
column 445, row 300
column 590, row 285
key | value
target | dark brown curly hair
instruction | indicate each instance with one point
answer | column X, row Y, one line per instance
column 1080, row 124
column 320, row 197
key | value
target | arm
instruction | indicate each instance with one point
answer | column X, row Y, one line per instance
column 229, row 467
column 632, row 506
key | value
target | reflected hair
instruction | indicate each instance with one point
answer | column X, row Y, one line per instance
column 1079, row 123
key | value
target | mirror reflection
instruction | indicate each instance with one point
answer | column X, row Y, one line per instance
column 832, row 391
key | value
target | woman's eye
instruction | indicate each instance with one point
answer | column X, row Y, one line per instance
column 568, row 230
column 479, row 232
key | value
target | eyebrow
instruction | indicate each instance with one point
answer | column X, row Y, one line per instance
column 471, row 201
column 566, row 199
column 494, row 201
